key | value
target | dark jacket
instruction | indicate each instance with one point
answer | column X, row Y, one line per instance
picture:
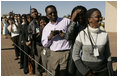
column 32, row 31
column 72, row 31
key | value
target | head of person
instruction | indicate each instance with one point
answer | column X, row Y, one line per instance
column 51, row 13
column 10, row 14
column 94, row 17
column 39, row 14
column 29, row 18
column 15, row 17
column 81, row 18
column 34, row 13
column 43, row 21
column 24, row 19
column 10, row 21
column 19, row 18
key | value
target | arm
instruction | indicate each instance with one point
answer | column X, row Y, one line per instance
column 77, row 59
column 108, row 58
column 70, row 31
column 47, row 37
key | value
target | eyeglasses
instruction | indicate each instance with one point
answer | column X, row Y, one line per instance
column 96, row 17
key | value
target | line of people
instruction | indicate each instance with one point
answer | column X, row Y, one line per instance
column 65, row 47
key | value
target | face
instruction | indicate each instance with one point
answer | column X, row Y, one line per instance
column 34, row 13
column 29, row 19
column 10, row 22
column 95, row 19
column 42, row 23
column 15, row 17
column 23, row 19
column 18, row 18
column 51, row 14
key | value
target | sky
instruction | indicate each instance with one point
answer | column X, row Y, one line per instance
column 63, row 7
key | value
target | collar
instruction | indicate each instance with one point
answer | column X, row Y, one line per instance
column 93, row 30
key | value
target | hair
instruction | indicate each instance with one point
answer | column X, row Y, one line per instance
column 10, row 20
column 49, row 6
column 44, row 18
column 33, row 9
column 79, row 7
column 90, row 12
column 23, row 15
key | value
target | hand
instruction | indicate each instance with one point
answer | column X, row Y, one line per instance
column 38, row 35
column 28, row 43
column 75, row 14
column 51, row 35
column 61, row 34
column 90, row 74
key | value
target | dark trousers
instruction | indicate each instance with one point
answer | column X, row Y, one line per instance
column 21, row 57
column 27, row 50
column 16, row 41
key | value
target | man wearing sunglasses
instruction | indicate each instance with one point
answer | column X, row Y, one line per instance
column 53, row 37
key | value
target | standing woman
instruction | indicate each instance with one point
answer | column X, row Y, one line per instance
column 94, row 43
column 5, row 25
column 78, row 23
column 14, row 36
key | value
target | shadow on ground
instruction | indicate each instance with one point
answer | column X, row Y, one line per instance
column 7, row 48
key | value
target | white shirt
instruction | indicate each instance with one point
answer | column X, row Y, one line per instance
column 56, row 43
column 15, row 31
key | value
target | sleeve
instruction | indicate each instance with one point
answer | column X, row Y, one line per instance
column 76, row 57
column 44, row 40
column 30, row 31
column 70, row 31
column 108, row 58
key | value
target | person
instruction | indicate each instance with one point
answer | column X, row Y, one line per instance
column 78, row 23
column 15, row 36
column 5, row 25
column 23, row 39
column 35, row 39
column 94, row 43
column 29, row 18
column 53, row 37
column 44, row 55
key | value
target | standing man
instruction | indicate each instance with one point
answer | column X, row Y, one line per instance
column 53, row 37
column 35, row 39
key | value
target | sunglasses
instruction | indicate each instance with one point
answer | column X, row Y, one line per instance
column 52, row 13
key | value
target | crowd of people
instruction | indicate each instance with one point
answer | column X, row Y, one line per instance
column 54, row 46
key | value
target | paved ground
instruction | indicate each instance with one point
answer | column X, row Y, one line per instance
column 10, row 67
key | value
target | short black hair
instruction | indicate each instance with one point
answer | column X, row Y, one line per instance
column 24, row 15
column 44, row 18
column 33, row 9
column 49, row 6
column 79, row 7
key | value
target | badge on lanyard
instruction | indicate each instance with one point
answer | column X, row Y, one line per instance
column 44, row 51
column 37, row 30
column 96, row 52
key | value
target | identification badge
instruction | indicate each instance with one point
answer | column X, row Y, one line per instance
column 44, row 51
column 96, row 52
column 37, row 30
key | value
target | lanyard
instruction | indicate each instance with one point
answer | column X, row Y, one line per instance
column 95, row 41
